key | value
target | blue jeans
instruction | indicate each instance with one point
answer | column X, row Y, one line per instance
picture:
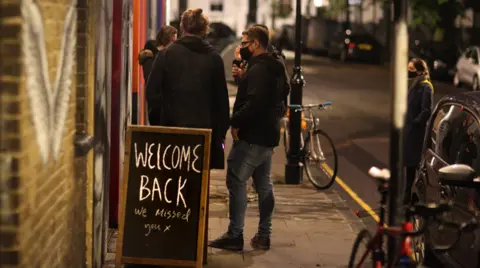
column 245, row 161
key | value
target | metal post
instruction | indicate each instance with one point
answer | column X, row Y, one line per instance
column 275, row 6
column 182, row 6
column 347, row 24
column 387, row 13
column 252, row 12
column 399, row 107
column 294, row 169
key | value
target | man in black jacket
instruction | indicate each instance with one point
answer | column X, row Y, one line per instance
column 240, row 66
column 255, row 127
column 187, row 87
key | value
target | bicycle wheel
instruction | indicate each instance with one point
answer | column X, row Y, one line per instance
column 321, row 160
column 360, row 250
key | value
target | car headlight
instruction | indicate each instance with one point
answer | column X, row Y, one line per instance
column 439, row 64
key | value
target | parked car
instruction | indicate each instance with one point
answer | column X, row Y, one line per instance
column 352, row 46
column 220, row 36
column 440, row 57
column 468, row 69
column 452, row 137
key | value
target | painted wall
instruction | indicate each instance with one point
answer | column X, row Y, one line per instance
column 43, row 194
column 103, row 71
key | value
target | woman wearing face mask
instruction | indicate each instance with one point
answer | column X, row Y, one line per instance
column 419, row 109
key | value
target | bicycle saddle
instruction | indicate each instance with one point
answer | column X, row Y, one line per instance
column 382, row 175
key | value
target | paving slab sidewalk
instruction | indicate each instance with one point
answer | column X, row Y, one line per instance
column 310, row 228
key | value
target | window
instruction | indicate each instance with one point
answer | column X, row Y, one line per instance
column 456, row 136
column 216, row 5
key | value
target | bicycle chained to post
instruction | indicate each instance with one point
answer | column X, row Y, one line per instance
column 317, row 151
column 374, row 255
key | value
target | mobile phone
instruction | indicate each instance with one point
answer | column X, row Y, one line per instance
column 238, row 63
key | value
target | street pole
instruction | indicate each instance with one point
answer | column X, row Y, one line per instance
column 399, row 108
column 252, row 12
column 274, row 12
column 182, row 6
column 347, row 16
column 293, row 168
column 387, row 11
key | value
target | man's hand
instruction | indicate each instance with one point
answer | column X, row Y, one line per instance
column 236, row 54
column 234, row 132
column 238, row 72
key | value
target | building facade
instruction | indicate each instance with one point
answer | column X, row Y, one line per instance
column 65, row 83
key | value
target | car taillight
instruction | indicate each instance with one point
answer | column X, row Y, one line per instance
column 352, row 45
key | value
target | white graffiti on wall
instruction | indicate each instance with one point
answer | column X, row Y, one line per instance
column 49, row 105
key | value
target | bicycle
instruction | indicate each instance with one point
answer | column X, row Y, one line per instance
column 313, row 154
column 374, row 252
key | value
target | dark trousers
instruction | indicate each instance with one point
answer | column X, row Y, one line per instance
column 409, row 179
column 245, row 161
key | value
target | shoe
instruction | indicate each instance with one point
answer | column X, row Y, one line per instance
column 228, row 242
column 262, row 243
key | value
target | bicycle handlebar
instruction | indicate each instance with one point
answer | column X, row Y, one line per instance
column 430, row 210
column 301, row 108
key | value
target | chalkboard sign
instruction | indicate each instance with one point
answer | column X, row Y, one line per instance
column 163, row 203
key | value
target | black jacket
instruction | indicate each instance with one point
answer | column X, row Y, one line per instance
column 279, row 56
column 146, row 58
column 187, row 88
column 259, row 105
column 419, row 110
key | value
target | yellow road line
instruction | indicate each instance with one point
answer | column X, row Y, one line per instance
column 352, row 194
column 357, row 199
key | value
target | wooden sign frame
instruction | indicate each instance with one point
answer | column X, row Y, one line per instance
column 198, row 263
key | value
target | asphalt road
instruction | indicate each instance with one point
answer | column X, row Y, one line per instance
column 358, row 123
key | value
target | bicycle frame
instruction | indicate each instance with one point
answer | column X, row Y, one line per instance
column 314, row 122
column 375, row 245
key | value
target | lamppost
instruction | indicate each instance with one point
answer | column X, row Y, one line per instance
column 347, row 24
column 399, row 108
column 252, row 12
column 293, row 168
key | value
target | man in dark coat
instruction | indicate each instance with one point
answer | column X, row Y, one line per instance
column 240, row 66
column 187, row 87
column 256, row 132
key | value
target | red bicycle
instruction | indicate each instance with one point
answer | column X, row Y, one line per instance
column 374, row 254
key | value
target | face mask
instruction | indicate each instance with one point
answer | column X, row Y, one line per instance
column 412, row 74
column 245, row 53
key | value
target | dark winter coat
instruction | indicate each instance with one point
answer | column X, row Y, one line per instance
column 279, row 56
column 259, row 104
column 419, row 110
column 187, row 88
column 146, row 58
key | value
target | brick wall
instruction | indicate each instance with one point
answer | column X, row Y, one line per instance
column 10, row 25
column 42, row 206
column 85, row 109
